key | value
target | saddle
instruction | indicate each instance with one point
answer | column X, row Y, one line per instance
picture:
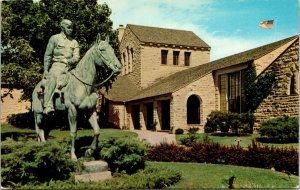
column 58, row 95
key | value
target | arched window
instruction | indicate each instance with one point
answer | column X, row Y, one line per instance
column 292, row 85
column 125, row 64
column 131, row 65
column 294, row 82
column 129, row 60
column 193, row 110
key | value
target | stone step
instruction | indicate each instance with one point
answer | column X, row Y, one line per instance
column 95, row 166
column 93, row 177
column 93, row 171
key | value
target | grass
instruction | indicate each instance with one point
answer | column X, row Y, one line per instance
column 231, row 140
column 197, row 175
column 194, row 175
column 13, row 132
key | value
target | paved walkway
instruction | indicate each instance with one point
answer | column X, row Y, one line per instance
column 155, row 137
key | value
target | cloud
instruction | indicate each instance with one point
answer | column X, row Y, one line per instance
column 193, row 15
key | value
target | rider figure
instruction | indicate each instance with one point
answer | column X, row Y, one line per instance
column 61, row 55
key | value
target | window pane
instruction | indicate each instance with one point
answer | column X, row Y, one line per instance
column 234, row 92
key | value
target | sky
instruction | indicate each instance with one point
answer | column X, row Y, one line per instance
column 227, row 26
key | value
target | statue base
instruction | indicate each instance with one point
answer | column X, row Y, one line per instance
column 93, row 171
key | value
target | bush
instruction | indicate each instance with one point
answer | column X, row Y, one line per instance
column 168, row 153
column 193, row 130
column 208, row 152
column 153, row 177
column 21, row 120
column 225, row 122
column 281, row 129
column 189, row 140
column 34, row 162
column 58, row 120
column 179, row 131
column 123, row 154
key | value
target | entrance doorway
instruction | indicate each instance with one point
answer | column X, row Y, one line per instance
column 136, row 116
column 165, row 115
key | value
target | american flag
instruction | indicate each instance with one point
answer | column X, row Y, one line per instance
column 266, row 24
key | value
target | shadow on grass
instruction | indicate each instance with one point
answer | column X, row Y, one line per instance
column 16, row 135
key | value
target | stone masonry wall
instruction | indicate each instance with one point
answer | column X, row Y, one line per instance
column 13, row 105
column 117, row 113
column 129, row 41
column 262, row 63
column 205, row 90
column 280, row 102
column 152, row 69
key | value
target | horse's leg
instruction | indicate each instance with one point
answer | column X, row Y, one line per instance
column 40, row 132
column 72, row 116
column 94, row 123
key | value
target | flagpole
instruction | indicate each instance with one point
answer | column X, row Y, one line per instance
column 275, row 27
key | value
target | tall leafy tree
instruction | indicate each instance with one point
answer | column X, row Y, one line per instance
column 28, row 25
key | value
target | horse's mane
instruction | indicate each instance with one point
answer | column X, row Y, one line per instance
column 85, row 66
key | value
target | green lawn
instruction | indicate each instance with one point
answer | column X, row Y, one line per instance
column 198, row 175
column 194, row 175
column 231, row 140
column 13, row 132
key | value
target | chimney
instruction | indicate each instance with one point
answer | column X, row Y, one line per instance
column 120, row 30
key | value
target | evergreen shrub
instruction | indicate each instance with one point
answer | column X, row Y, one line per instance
column 153, row 177
column 238, row 124
column 179, row 131
column 34, row 162
column 123, row 154
column 280, row 130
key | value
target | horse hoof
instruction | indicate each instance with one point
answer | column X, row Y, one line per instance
column 74, row 157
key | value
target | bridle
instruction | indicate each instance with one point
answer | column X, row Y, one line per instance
column 93, row 85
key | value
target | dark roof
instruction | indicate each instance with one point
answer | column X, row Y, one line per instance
column 178, row 80
column 122, row 89
column 167, row 36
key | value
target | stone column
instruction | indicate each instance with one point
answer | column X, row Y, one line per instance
column 129, row 118
column 157, row 114
column 142, row 116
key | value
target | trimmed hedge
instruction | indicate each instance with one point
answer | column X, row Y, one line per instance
column 255, row 156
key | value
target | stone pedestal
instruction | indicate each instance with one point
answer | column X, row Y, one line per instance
column 93, row 171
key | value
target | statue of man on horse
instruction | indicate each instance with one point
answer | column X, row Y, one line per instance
column 71, row 86
column 61, row 55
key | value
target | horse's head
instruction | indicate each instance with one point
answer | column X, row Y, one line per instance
column 106, row 55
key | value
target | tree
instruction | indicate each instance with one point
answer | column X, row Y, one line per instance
column 28, row 25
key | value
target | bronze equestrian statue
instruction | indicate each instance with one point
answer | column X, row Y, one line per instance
column 75, row 88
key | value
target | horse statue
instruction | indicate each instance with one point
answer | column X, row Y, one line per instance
column 79, row 94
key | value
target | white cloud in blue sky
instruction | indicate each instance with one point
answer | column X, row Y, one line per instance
column 228, row 26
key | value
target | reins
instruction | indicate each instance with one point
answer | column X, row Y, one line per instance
column 93, row 85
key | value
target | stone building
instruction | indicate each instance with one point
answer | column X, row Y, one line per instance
column 11, row 103
column 153, row 93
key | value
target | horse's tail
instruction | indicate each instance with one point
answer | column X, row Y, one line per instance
column 37, row 106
